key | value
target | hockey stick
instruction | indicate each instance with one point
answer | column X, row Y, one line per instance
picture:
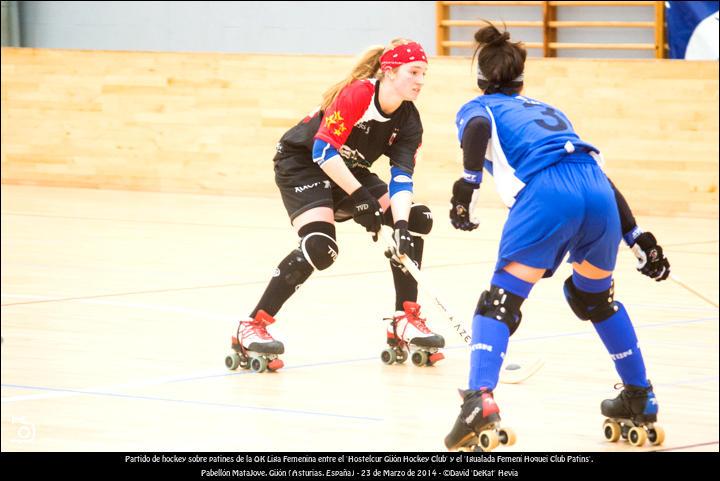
column 682, row 284
column 511, row 373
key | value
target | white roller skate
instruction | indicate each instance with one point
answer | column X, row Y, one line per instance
column 253, row 347
column 408, row 335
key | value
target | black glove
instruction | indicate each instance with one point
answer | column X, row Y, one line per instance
column 367, row 211
column 403, row 239
column 651, row 260
column 460, row 205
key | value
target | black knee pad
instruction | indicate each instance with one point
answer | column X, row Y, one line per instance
column 420, row 220
column 592, row 306
column 501, row 305
column 318, row 244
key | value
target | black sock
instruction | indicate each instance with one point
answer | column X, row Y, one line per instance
column 406, row 288
column 289, row 275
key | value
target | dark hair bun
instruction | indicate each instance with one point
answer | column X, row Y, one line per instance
column 490, row 35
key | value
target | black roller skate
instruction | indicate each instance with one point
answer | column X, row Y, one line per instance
column 407, row 332
column 477, row 428
column 253, row 347
column 632, row 416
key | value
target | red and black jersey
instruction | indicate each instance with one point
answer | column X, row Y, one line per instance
column 358, row 128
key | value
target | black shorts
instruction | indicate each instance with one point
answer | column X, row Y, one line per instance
column 304, row 186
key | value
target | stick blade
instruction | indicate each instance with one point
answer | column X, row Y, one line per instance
column 516, row 373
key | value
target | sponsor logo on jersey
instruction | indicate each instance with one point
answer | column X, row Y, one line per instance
column 364, row 126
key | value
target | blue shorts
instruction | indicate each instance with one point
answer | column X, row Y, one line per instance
column 568, row 207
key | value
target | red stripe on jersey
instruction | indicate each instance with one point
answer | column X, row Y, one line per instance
column 342, row 115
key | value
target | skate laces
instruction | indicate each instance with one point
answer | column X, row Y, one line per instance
column 412, row 314
column 257, row 326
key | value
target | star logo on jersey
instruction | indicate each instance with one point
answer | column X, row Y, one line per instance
column 339, row 130
column 332, row 119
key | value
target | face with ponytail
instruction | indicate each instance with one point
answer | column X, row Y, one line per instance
column 367, row 66
column 501, row 63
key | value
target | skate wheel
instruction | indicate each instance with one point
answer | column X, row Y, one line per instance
column 507, row 437
column 232, row 361
column 419, row 358
column 388, row 356
column 637, row 436
column 275, row 364
column 611, row 430
column 438, row 356
column 656, row 435
column 258, row 364
column 489, row 440
column 401, row 356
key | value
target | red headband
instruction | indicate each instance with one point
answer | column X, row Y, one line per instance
column 411, row 52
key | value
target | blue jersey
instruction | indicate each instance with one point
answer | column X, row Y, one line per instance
column 527, row 137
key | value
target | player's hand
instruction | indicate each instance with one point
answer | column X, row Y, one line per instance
column 367, row 211
column 651, row 260
column 403, row 239
column 461, row 205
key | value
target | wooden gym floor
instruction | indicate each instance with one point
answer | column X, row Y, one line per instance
column 117, row 311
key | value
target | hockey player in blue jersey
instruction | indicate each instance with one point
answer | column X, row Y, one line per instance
column 560, row 202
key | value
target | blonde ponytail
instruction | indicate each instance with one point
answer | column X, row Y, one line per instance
column 366, row 67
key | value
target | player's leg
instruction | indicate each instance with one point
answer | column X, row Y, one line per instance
column 590, row 293
column 406, row 327
column 533, row 243
column 307, row 197
column 497, row 317
column 317, row 249
column 407, row 324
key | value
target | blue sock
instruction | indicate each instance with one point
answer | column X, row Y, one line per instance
column 489, row 343
column 490, row 337
column 586, row 284
column 618, row 335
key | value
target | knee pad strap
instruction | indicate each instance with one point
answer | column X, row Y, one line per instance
column 501, row 305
